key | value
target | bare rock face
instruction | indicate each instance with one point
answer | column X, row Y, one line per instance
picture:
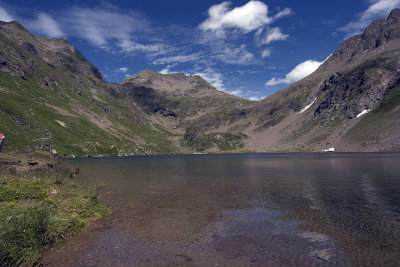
column 176, row 95
column 56, row 52
column 346, row 93
column 381, row 36
column 366, row 65
column 175, row 83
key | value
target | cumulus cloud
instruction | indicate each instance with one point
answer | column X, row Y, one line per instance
column 299, row 72
column 273, row 34
column 248, row 17
column 123, row 69
column 377, row 9
column 266, row 53
column 4, row 16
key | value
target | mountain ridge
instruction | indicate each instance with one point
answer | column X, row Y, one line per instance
column 55, row 99
column 349, row 82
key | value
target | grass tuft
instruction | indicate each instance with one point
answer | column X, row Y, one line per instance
column 39, row 205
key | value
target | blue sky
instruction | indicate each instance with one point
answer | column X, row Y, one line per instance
column 246, row 48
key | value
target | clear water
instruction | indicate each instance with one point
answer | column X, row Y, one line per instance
column 247, row 209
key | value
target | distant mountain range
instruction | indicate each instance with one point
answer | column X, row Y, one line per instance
column 52, row 98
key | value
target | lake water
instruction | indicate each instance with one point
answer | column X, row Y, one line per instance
column 328, row 209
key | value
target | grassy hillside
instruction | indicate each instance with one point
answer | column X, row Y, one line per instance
column 73, row 124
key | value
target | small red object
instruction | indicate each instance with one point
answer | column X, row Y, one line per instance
column 1, row 135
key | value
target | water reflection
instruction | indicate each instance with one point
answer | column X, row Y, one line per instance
column 286, row 208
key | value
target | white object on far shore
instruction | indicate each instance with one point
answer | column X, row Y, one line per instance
column 331, row 149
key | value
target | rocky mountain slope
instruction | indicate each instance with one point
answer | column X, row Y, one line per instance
column 52, row 98
column 350, row 103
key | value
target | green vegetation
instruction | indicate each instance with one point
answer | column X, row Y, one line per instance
column 33, row 117
column 373, row 127
column 196, row 139
column 40, row 203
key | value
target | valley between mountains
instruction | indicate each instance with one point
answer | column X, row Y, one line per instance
column 53, row 99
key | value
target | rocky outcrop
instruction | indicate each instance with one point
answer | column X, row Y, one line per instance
column 56, row 52
column 346, row 90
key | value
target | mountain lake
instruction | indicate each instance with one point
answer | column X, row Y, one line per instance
column 317, row 209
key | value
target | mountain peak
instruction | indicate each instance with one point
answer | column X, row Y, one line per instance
column 12, row 23
column 394, row 15
column 174, row 82
column 147, row 72
column 381, row 35
column 55, row 51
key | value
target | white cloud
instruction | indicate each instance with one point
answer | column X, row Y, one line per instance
column 177, row 59
column 255, row 98
column 299, row 72
column 4, row 16
column 121, row 70
column 212, row 77
column 216, row 79
column 377, row 9
column 46, row 25
column 248, row 17
column 110, row 28
column 165, row 70
column 236, row 92
column 284, row 13
column 99, row 26
column 266, row 53
column 226, row 51
column 131, row 46
column 235, row 55
column 274, row 34
column 43, row 24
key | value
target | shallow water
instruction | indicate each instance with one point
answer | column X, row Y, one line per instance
column 237, row 210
